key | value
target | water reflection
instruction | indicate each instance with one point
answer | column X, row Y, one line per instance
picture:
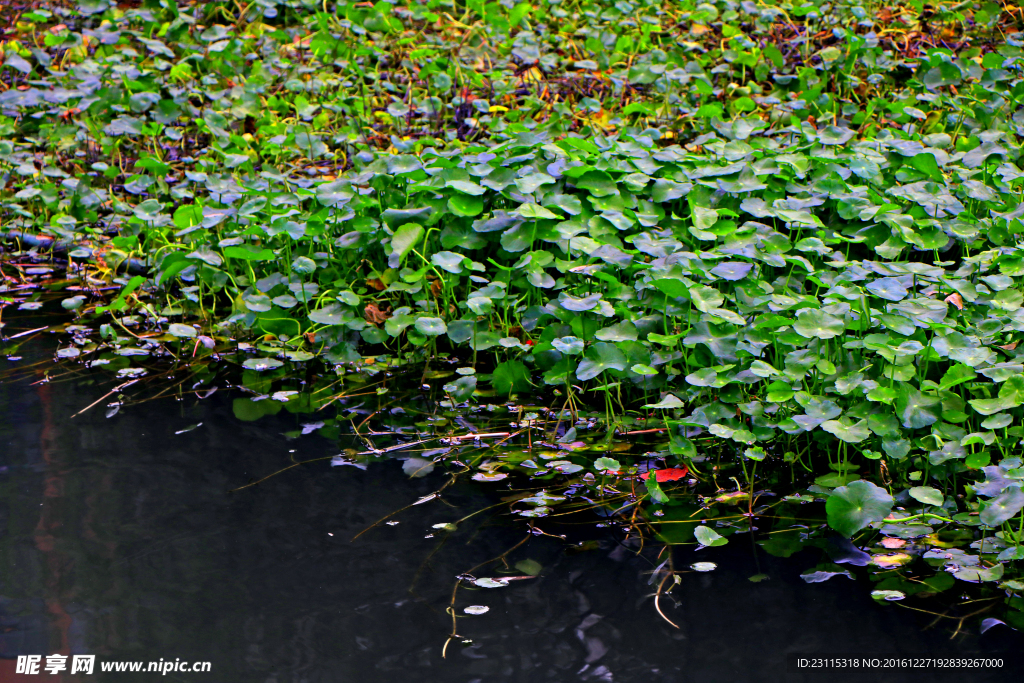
column 120, row 539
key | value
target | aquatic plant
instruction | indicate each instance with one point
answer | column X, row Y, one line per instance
column 787, row 237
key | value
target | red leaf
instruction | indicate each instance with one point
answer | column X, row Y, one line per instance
column 670, row 474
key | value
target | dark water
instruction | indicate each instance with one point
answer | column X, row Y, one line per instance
column 119, row 538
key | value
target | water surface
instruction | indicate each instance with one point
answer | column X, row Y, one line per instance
column 121, row 538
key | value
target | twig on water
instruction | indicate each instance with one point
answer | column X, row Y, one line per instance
column 105, row 396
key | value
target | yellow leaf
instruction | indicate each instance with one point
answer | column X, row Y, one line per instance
column 892, row 560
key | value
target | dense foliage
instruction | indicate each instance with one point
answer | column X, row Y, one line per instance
column 790, row 228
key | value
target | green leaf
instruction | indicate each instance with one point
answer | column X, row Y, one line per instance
column 249, row 252
column 511, row 376
column 610, row 464
column 757, row 453
column 654, row 490
column 303, row 265
column 888, row 288
column 707, row 536
column 75, row 302
column 813, row 323
column 1003, row 507
column 465, row 205
column 207, row 256
column 668, row 402
column 916, row 409
column 431, row 327
column 925, row 163
column 600, row 357
column 396, row 217
column 529, row 183
column 402, row 242
column 852, row 507
column 927, row 495
column 958, row 374
column 1013, row 390
column 183, row 331
column 335, row 193
column 623, row 331
column 988, row 406
column 261, row 364
column 462, row 388
column 882, row 395
column 466, row 187
column 571, row 346
column 534, row 211
column 854, row 433
column 706, row 298
column 448, row 260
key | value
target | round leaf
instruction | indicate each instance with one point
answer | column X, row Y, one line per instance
column 926, row 495
column 852, row 507
column 812, row 323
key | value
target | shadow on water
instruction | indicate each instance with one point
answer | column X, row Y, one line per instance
column 121, row 539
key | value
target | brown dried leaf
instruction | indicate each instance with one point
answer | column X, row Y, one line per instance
column 955, row 299
column 377, row 284
column 375, row 315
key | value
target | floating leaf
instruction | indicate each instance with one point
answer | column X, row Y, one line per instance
column 261, row 364
column 888, row 595
column 667, row 474
column 707, row 536
column 852, row 507
column 490, row 583
column 179, row 330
